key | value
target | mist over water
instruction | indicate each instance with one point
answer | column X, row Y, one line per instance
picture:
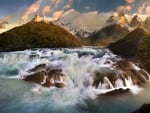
column 18, row 96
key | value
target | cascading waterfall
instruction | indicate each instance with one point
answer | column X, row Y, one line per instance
column 64, row 79
column 78, row 64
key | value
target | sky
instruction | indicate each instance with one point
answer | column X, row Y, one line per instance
column 15, row 12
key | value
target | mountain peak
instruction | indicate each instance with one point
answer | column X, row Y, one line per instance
column 118, row 18
column 36, row 35
column 38, row 18
column 135, row 21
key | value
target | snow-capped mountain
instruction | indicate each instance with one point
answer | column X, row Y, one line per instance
column 146, row 24
column 79, row 32
column 136, row 21
column 120, row 19
column 83, row 30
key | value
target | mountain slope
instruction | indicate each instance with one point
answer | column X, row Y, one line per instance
column 135, row 45
column 128, row 46
column 36, row 35
column 110, row 33
column 135, row 22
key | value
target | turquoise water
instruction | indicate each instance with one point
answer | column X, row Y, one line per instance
column 18, row 96
column 15, row 97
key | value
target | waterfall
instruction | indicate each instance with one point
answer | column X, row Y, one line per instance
column 119, row 83
column 78, row 65
column 147, row 74
column 129, row 82
column 108, row 82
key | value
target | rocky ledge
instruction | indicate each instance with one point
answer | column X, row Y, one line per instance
column 46, row 76
column 118, row 79
column 124, row 74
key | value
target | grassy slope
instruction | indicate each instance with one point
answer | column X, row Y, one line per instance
column 36, row 35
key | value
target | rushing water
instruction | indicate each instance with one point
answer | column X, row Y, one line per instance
column 18, row 96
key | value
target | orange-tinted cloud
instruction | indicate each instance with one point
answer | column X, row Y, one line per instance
column 141, row 9
column 148, row 9
column 130, row 1
column 126, row 8
column 46, row 10
column 31, row 9
column 57, row 14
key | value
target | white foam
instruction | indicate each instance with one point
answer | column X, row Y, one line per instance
column 79, row 70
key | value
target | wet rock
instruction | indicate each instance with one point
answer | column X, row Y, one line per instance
column 116, row 92
column 38, row 68
column 124, row 74
column 144, row 109
column 85, row 53
column 46, row 76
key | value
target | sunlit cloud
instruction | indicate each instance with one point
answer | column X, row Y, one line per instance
column 3, row 22
column 57, row 14
column 31, row 9
column 88, row 21
column 141, row 9
column 46, row 10
column 148, row 9
column 130, row 1
column 126, row 8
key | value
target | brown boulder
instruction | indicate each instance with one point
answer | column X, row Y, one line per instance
column 125, row 72
column 46, row 76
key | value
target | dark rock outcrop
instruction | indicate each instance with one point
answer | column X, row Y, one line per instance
column 125, row 73
column 135, row 45
column 144, row 109
column 128, row 46
column 46, row 76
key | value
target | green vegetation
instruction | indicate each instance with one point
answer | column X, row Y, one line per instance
column 36, row 35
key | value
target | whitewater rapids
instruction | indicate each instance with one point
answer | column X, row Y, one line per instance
column 79, row 64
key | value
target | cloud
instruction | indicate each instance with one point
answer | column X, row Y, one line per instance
column 126, row 8
column 57, row 14
column 57, row 2
column 141, row 9
column 87, row 8
column 46, row 10
column 148, row 9
column 3, row 22
column 31, row 9
column 89, row 21
column 65, row 7
column 130, row 1
column 54, row 7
